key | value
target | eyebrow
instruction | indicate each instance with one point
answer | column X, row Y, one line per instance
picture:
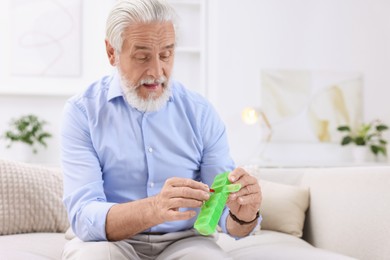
column 139, row 47
column 170, row 46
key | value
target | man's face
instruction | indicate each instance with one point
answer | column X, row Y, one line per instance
column 147, row 55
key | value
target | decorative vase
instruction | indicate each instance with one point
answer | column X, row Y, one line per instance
column 24, row 153
column 388, row 153
column 361, row 153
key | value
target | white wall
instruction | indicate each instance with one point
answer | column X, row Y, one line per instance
column 348, row 35
column 247, row 36
column 40, row 94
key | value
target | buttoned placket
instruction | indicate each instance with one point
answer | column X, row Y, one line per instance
column 149, row 153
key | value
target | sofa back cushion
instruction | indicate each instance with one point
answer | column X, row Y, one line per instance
column 349, row 211
column 284, row 206
column 30, row 199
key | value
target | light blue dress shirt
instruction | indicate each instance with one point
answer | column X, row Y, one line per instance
column 113, row 153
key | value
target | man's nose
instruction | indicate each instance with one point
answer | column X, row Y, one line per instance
column 156, row 68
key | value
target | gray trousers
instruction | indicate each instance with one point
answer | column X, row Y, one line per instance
column 177, row 245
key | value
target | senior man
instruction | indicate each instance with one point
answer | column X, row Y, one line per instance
column 139, row 151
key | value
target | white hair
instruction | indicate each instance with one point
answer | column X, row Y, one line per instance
column 127, row 12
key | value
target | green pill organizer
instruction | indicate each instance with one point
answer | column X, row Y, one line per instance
column 211, row 211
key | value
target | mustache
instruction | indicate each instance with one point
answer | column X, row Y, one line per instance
column 160, row 80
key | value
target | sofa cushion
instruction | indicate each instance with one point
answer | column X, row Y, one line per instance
column 32, row 246
column 283, row 206
column 30, row 199
column 274, row 245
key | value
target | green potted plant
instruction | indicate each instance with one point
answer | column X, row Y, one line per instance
column 366, row 134
column 27, row 129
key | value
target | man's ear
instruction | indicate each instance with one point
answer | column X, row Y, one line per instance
column 110, row 53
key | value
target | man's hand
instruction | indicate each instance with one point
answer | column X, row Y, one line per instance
column 127, row 219
column 179, row 193
column 245, row 203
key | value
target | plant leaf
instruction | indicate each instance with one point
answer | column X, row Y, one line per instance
column 360, row 140
column 27, row 129
column 344, row 128
column 381, row 127
column 346, row 140
column 374, row 149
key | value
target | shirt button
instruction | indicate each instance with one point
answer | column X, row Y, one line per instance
column 151, row 184
column 150, row 149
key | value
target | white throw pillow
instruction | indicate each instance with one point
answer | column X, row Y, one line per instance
column 283, row 207
column 30, row 199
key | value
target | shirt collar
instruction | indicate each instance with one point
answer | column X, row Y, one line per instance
column 114, row 89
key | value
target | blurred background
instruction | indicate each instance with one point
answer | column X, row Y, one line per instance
column 308, row 65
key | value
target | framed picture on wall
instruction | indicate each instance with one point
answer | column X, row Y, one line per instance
column 41, row 46
column 45, row 38
column 309, row 105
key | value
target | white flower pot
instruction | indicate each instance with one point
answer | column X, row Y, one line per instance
column 23, row 152
column 388, row 153
column 361, row 153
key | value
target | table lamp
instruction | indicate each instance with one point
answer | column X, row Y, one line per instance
column 251, row 116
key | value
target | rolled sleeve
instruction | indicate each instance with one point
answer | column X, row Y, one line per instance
column 93, row 218
column 84, row 195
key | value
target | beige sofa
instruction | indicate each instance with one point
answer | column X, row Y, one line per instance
column 342, row 213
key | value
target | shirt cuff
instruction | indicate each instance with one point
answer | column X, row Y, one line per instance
column 93, row 226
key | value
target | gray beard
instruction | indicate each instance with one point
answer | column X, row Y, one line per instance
column 149, row 104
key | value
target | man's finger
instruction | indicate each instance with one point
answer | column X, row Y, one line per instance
column 184, row 182
column 236, row 174
column 181, row 215
column 184, row 203
column 254, row 198
column 246, row 190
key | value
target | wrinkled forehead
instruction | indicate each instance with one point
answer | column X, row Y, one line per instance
column 156, row 32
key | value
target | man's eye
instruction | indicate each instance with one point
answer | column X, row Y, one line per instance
column 141, row 58
column 165, row 56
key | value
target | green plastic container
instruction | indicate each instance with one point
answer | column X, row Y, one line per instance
column 211, row 211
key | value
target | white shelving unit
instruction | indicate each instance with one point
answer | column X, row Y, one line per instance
column 190, row 63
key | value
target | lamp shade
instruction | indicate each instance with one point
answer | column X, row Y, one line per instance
column 250, row 116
